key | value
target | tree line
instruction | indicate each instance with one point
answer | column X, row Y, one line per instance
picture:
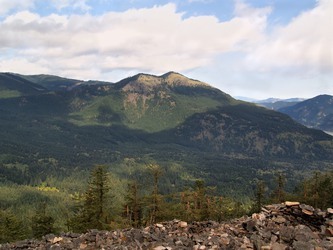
column 145, row 205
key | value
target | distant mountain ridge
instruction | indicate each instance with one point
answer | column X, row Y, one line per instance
column 316, row 112
column 12, row 85
column 276, row 103
column 169, row 119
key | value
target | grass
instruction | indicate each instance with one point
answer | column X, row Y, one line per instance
column 4, row 94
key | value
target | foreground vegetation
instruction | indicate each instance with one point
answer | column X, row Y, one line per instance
column 104, row 201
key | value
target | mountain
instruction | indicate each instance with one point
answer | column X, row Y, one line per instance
column 276, row 103
column 12, row 85
column 188, row 127
column 316, row 112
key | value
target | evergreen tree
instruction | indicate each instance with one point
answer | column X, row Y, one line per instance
column 96, row 197
column 259, row 196
column 279, row 194
column 154, row 201
column 133, row 206
column 11, row 228
column 92, row 212
column 42, row 223
column 200, row 202
column 317, row 190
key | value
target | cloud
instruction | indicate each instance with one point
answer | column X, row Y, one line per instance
column 200, row 1
column 14, row 5
column 245, row 10
column 73, row 4
column 156, row 39
column 303, row 46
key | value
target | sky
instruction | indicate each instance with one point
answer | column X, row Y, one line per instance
column 251, row 48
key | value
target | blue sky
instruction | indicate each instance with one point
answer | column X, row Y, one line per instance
column 253, row 48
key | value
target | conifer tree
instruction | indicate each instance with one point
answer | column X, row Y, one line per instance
column 92, row 212
column 259, row 196
column 96, row 198
column 42, row 223
column 279, row 194
column 317, row 190
column 133, row 206
column 200, row 203
column 155, row 198
column 11, row 228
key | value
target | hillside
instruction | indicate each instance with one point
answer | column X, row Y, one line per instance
column 188, row 127
column 316, row 112
column 12, row 85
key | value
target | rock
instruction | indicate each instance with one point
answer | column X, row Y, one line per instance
column 266, row 248
column 287, row 233
column 330, row 210
column 329, row 222
column 276, row 227
column 292, row 203
column 307, row 212
column 278, row 246
column 329, row 232
column 182, row 224
column 301, row 245
column 279, row 219
column 161, row 248
column 304, row 233
column 56, row 240
column 306, row 207
column 83, row 246
column 250, row 225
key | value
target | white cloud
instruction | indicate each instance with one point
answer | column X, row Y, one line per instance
column 245, row 10
column 74, row 4
column 10, row 5
column 154, row 39
column 303, row 46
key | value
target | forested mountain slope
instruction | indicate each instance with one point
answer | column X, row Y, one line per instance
column 190, row 128
column 316, row 112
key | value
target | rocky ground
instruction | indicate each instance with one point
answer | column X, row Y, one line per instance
column 288, row 225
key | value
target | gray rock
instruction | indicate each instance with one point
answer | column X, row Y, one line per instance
column 301, row 245
column 287, row 233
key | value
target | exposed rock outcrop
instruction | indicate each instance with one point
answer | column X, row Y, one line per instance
column 277, row 227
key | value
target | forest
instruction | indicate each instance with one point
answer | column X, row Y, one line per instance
column 78, row 155
column 100, row 200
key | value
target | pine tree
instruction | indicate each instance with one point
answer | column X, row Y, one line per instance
column 279, row 194
column 317, row 190
column 154, row 200
column 259, row 196
column 96, row 198
column 11, row 228
column 92, row 212
column 200, row 203
column 133, row 206
column 42, row 223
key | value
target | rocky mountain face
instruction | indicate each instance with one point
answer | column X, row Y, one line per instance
column 289, row 225
column 315, row 113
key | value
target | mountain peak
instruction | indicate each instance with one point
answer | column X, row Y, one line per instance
column 174, row 78
column 171, row 78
